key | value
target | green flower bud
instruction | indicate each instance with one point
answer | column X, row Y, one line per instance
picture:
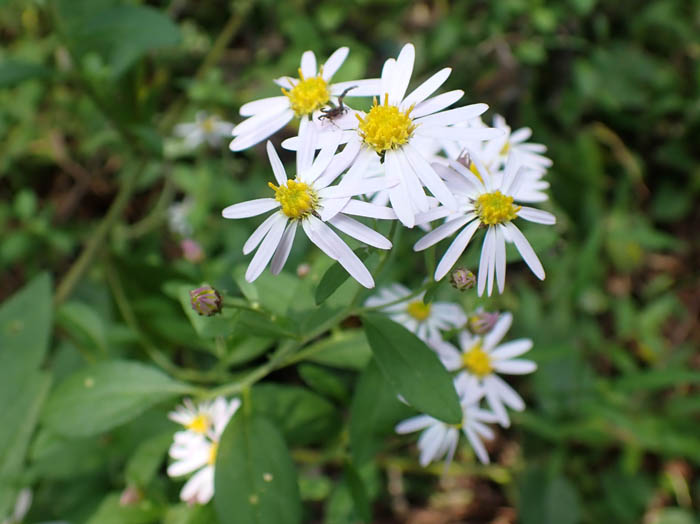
column 462, row 279
column 205, row 300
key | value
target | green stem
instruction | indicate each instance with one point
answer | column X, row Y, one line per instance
column 151, row 350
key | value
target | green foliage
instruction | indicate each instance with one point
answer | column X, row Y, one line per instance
column 255, row 477
column 89, row 93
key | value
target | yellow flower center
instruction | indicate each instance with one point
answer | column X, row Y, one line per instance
column 308, row 95
column 495, row 208
column 213, row 450
column 208, row 124
column 418, row 310
column 385, row 127
column 297, row 199
column 199, row 424
column 477, row 361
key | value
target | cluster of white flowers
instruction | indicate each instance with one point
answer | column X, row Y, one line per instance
column 195, row 448
column 477, row 364
column 405, row 144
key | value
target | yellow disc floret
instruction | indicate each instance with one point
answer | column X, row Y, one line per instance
column 308, row 95
column 297, row 199
column 199, row 424
column 208, row 125
column 418, row 310
column 477, row 361
column 495, row 208
column 385, row 126
column 213, row 450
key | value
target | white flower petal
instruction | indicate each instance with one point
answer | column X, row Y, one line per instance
column 509, row 396
column 500, row 258
column 359, row 231
column 493, row 397
column 276, row 163
column 401, row 204
column 322, row 161
column 477, row 445
column 437, row 103
column 525, row 250
column 265, row 105
column 453, row 116
column 267, row 248
column 200, row 487
column 260, row 133
column 307, row 147
column 402, row 74
column 365, row 209
column 443, row 231
column 511, row 349
column 259, row 234
column 429, row 177
column 365, row 87
column 331, row 244
column 467, row 134
column 414, row 424
column 308, row 64
column 499, row 330
column 426, row 89
column 387, row 77
column 334, row 62
column 250, row 208
column 459, row 244
column 537, row 215
column 515, row 366
column 407, row 174
column 284, row 247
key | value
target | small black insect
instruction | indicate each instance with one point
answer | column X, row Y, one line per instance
column 335, row 111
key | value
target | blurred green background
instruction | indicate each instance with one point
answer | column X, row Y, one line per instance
column 88, row 99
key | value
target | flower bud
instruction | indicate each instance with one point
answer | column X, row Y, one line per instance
column 481, row 322
column 130, row 496
column 205, row 300
column 462, row 279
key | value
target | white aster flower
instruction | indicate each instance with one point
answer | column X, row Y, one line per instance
column 195, row 450
column 209, row 128
column 425, row 320
column 480, row 359
column 439, row 439
column 397, row 128
column 301, row 98
column 486, row 201
column 515, row 142
column 303, row 201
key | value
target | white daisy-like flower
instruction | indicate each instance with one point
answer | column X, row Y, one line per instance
column 395, row 128
column 209, row 128
column 427, row 321
column 301, row 97
column 303, row 201
column 486, row 201
column 439, row 439
column 480, row 360
column 195, row 450
column 515, row 142
column 178, row 221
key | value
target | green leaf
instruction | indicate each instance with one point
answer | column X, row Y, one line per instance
column 413, row 369
column 12, row 72
column 25, row 328
column 101, row 397
column 345, row 349
column 374, row 411
column 358, row 493
column 265, row 325
column 83, row 322
column 545, row 500
column 334, row 277
column 302, row 416
column 255, row 479
column 323, row 381
column 112, row 512
column 103, row 30
column 144, row 463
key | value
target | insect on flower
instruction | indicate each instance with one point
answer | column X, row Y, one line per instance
column 335, row 111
